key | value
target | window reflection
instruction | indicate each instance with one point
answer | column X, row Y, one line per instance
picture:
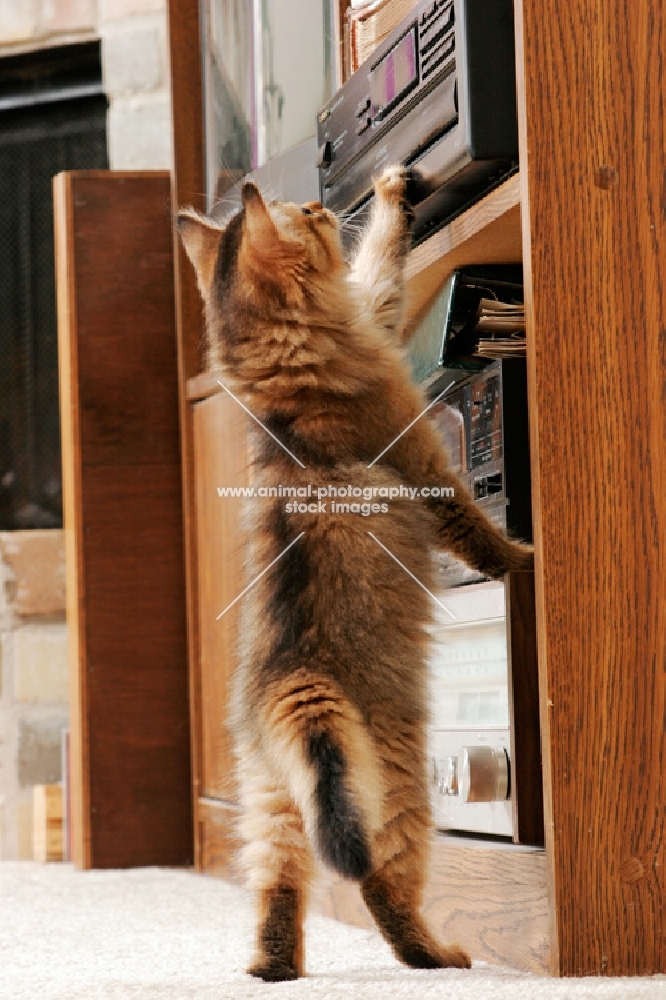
column 267, row 71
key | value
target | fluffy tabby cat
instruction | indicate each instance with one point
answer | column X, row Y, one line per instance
column 331, row 690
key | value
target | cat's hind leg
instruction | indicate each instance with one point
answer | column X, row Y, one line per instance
column 279, row 865
column 394, row 891
column 394, row 905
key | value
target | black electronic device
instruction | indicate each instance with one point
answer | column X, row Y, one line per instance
column 439, row 92
column 483, row 419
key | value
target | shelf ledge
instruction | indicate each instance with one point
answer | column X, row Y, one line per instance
column 487, row 233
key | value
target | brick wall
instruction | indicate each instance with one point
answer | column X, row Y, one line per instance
column 134, row 65
column 136, row 80
column 33, row 634
column 34, row 696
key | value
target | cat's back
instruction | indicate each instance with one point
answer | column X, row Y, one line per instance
column 345, row 592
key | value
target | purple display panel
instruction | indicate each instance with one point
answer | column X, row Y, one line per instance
column 395, row 74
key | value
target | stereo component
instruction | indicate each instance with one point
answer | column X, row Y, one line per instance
column 483, row 420
column 469, row 742
column 439, row 92
column 482, row 416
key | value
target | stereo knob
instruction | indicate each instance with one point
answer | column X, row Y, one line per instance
column 449, row 782
column 484, row 774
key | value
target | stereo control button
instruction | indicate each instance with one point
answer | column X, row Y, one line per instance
column 484, row 774
column 362, row 107
column 448, row 783
column 325, row 155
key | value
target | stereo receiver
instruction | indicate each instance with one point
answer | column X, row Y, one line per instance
column 483, row 419
column 439, row 92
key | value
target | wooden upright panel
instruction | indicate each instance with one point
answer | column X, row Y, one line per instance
column 526, row 766
column 123, row 520
column 187, row 188
column 221, row 460
column 592, row 135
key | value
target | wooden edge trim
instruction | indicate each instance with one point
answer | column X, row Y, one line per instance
column 72, row 516
column 460, row 243
column 187, row 184
column 537, row 523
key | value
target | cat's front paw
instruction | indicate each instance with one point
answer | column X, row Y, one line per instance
column 406, row 186
column 391, row 185
column 521, row 557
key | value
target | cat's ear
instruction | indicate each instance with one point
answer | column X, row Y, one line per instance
column 259, row 227
column 201, row 240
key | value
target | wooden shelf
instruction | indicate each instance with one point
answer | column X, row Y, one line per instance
column 487, row 233
column 492, row 896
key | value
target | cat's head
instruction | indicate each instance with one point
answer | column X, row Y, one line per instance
column 271, row 258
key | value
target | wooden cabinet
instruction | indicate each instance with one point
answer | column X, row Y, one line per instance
column 586, row 217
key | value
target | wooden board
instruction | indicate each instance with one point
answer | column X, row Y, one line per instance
column 592, row 145
column 130, row 758
column 187, row 188
column 47, row 823
column 491, row 898
column 523, row 680
column 487, row 233
column 221, row 460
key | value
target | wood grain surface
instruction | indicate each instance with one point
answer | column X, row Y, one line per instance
column 188, row 176
column 592, row 148
column 221, row 460
column 123, row 520
column 523, row 680
column 487, row 233
column 187, row 188
column 490, row 898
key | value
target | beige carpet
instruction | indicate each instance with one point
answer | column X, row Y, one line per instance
column 153, row 934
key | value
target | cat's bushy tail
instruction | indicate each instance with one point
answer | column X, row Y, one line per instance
column 325, row 756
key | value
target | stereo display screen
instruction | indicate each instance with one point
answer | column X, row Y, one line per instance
column 394, row 75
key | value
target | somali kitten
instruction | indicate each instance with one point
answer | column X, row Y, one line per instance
column 331, row 704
